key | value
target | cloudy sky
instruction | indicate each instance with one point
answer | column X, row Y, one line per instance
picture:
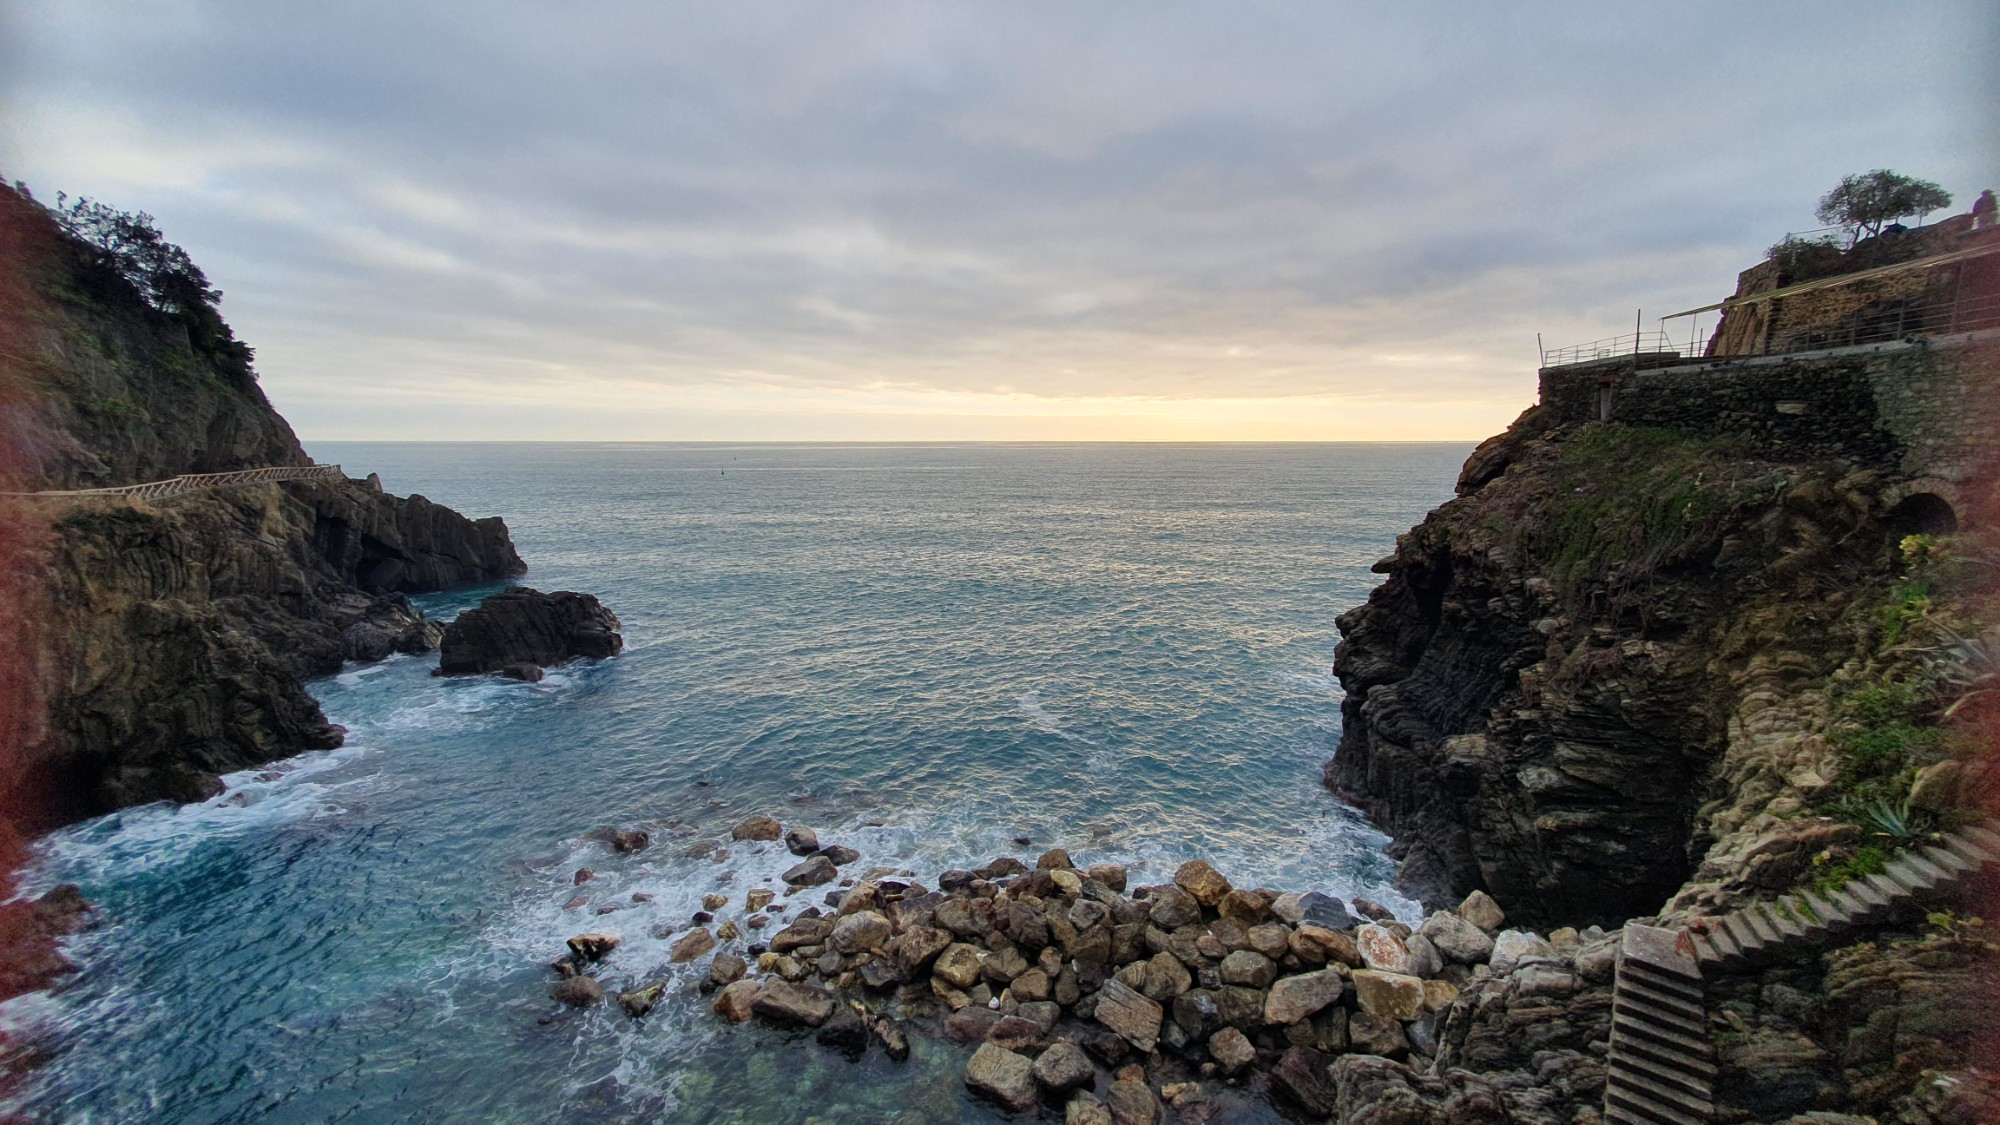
column 911, row 221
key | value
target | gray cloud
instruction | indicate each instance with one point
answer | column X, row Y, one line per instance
column 745, row 215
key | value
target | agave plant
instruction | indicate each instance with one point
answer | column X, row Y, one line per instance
column 1971, row 664
column 1897, row 821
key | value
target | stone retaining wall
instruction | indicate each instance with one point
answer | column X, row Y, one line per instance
column 1922, row 409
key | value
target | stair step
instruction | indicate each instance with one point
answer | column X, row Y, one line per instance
column 1641, row 993
column 1698, row 1087
column 1760, row 925
column 1696, row 1102
column 1932, row 873
column 1746, row 939
column 1671, row 1039
column 1895, row 892
column 1668, row 984
column 1789, row 927
column 1983, row 836
column 1657, row 1019
column 1714, row 945
column 1652, row 1109
column 1693, row 1065
column 1940, row 856
column 1872, row 901
column 1970, row 852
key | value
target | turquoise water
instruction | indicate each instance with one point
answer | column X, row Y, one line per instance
column 922, row 652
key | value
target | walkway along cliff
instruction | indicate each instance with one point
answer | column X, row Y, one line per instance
column 163, row 639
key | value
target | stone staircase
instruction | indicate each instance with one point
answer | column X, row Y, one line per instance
column 1758, row 933
column 1661, row 1067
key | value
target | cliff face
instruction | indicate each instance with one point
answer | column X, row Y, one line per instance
column 170, row 638
column 1606, row 659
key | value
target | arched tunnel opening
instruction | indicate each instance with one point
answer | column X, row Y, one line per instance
column 1922, row 513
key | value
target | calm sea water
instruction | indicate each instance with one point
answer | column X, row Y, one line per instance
column 920, row 651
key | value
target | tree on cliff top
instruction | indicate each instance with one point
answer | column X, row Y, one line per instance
column 128, row 245
column 1864, row 203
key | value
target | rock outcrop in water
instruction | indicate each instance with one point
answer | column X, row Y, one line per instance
column 521, row 631
column 170, row 638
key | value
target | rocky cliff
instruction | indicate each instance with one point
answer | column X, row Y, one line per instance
column 167, row 641
column 1610, row 664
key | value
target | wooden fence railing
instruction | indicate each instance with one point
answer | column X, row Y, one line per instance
column 194, row 482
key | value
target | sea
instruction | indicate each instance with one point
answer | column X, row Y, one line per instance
column 928, row 653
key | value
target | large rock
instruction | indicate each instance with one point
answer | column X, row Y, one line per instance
column 1248, row 968
column 691, row 945
column 737, row 1000
column 861, row 931
column 1381, row 949
column 801, row 841
column 1480, row 910
column 1132, row 1102
column 524, row 626
column 1205, row 883
column 1063, row 1067
column 1173, row 908
column 577, row 992
column 1513, row 947
column 792, row 1005
column 756, row 828
column 1457, row 938
column 1301, row 1077
column 1130, row 1014
column 1293, row 998
column 1231, row 1050
column 812, row 873
column 1391, row 995
column 1001, row 1076
column 959, row 965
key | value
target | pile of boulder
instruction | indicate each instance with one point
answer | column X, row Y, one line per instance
column 1113, row 1004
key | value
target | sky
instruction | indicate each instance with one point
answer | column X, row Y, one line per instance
column 953, row 221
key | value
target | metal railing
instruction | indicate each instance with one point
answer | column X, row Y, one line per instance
column 1883, row 321
column 1611, row 347
column 194, row 482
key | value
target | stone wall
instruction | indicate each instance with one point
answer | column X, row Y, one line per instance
column 1916, row 409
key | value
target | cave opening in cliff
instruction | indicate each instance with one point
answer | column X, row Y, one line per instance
column 1922, row 513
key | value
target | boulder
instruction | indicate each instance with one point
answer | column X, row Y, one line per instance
column 1205, row 883
column 792, row 1005
column 756, row 828
column 1063, row 1067
column 737, row 1000
column 1173, row 908
column 1301, row 1077
column 800, row 934
column 861, row 931
column 758, row 899
column 812, row 873
column 844, row 1031
column 1381, row 949
column 1294, row 998
column 1002, row 1077
column 524, row 626
column 1376, row 1035
column 1248, row 968
column 1130, row 1014
column 1324, row 910
column 593, row 947
column 1112, row 875
column 915, row 948
column 1425, row 960
column 1016, row 1033
column 727, row 968
column 1165, row 977
column 1457, row 939
column 1132, row 1102
column 1231, row 1050
column 1067, row 883
column 801, row 841
column 639, row 1001
column 577, row 991
column 691, row 945
column 1240, row 1006
column 958, row 965
column 1480, row 910
column 1373, row 911
column 1332, row 944
column 839, row 855
column 1053, row 860
column 1513, row 947
column 1391, row 995
column 1270, row 939
column 895, row 1042
column 1087, row 1108
column 1247, row 907
column 628, row 841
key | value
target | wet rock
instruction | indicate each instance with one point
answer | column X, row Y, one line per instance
column 737, row 999
column 692, row 945
column 861, row 931
column 1086, row 1108
column 1301, row 1077
column 1480, row 910
column 1001, row 1077
column 895, row 1042
column 1165, row 978
column 1392, row 995
column 1231, row 1050
column 577, row 992
column 756, row 828
column 1173, row 908
column 844, row 1031
column 1205, row 883
column 805, row 932
column 793, row 1005
column 801, row 841
column 1325, row 910
column 1130, row 1014
column 1373, row 911
column 1296, row 997
column 1001, row 868
column 639, row 1001
column 627, row 842
column 758, row 899
column 815, row 871
column 1425, row 960
column 524, row 626
column 1054, row 859
column 1270, row 939
column 583, row 875
column 1332, row 944
column 1062, row 1068
column 1015, row 1033
column 1029, row 986
column 1382, row 950
column 1002, row 965
column 916, row 948
column 1456, row 938
column 1249, row 969
column 1112, row 875
column 591, row 948
column 839, row 855
column 1042, row 1013
column 971, row 1024
column 1132, row 1102
column 1247, row 907
column 1067, row 883
column 1240, row 1006
column 728, row 931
